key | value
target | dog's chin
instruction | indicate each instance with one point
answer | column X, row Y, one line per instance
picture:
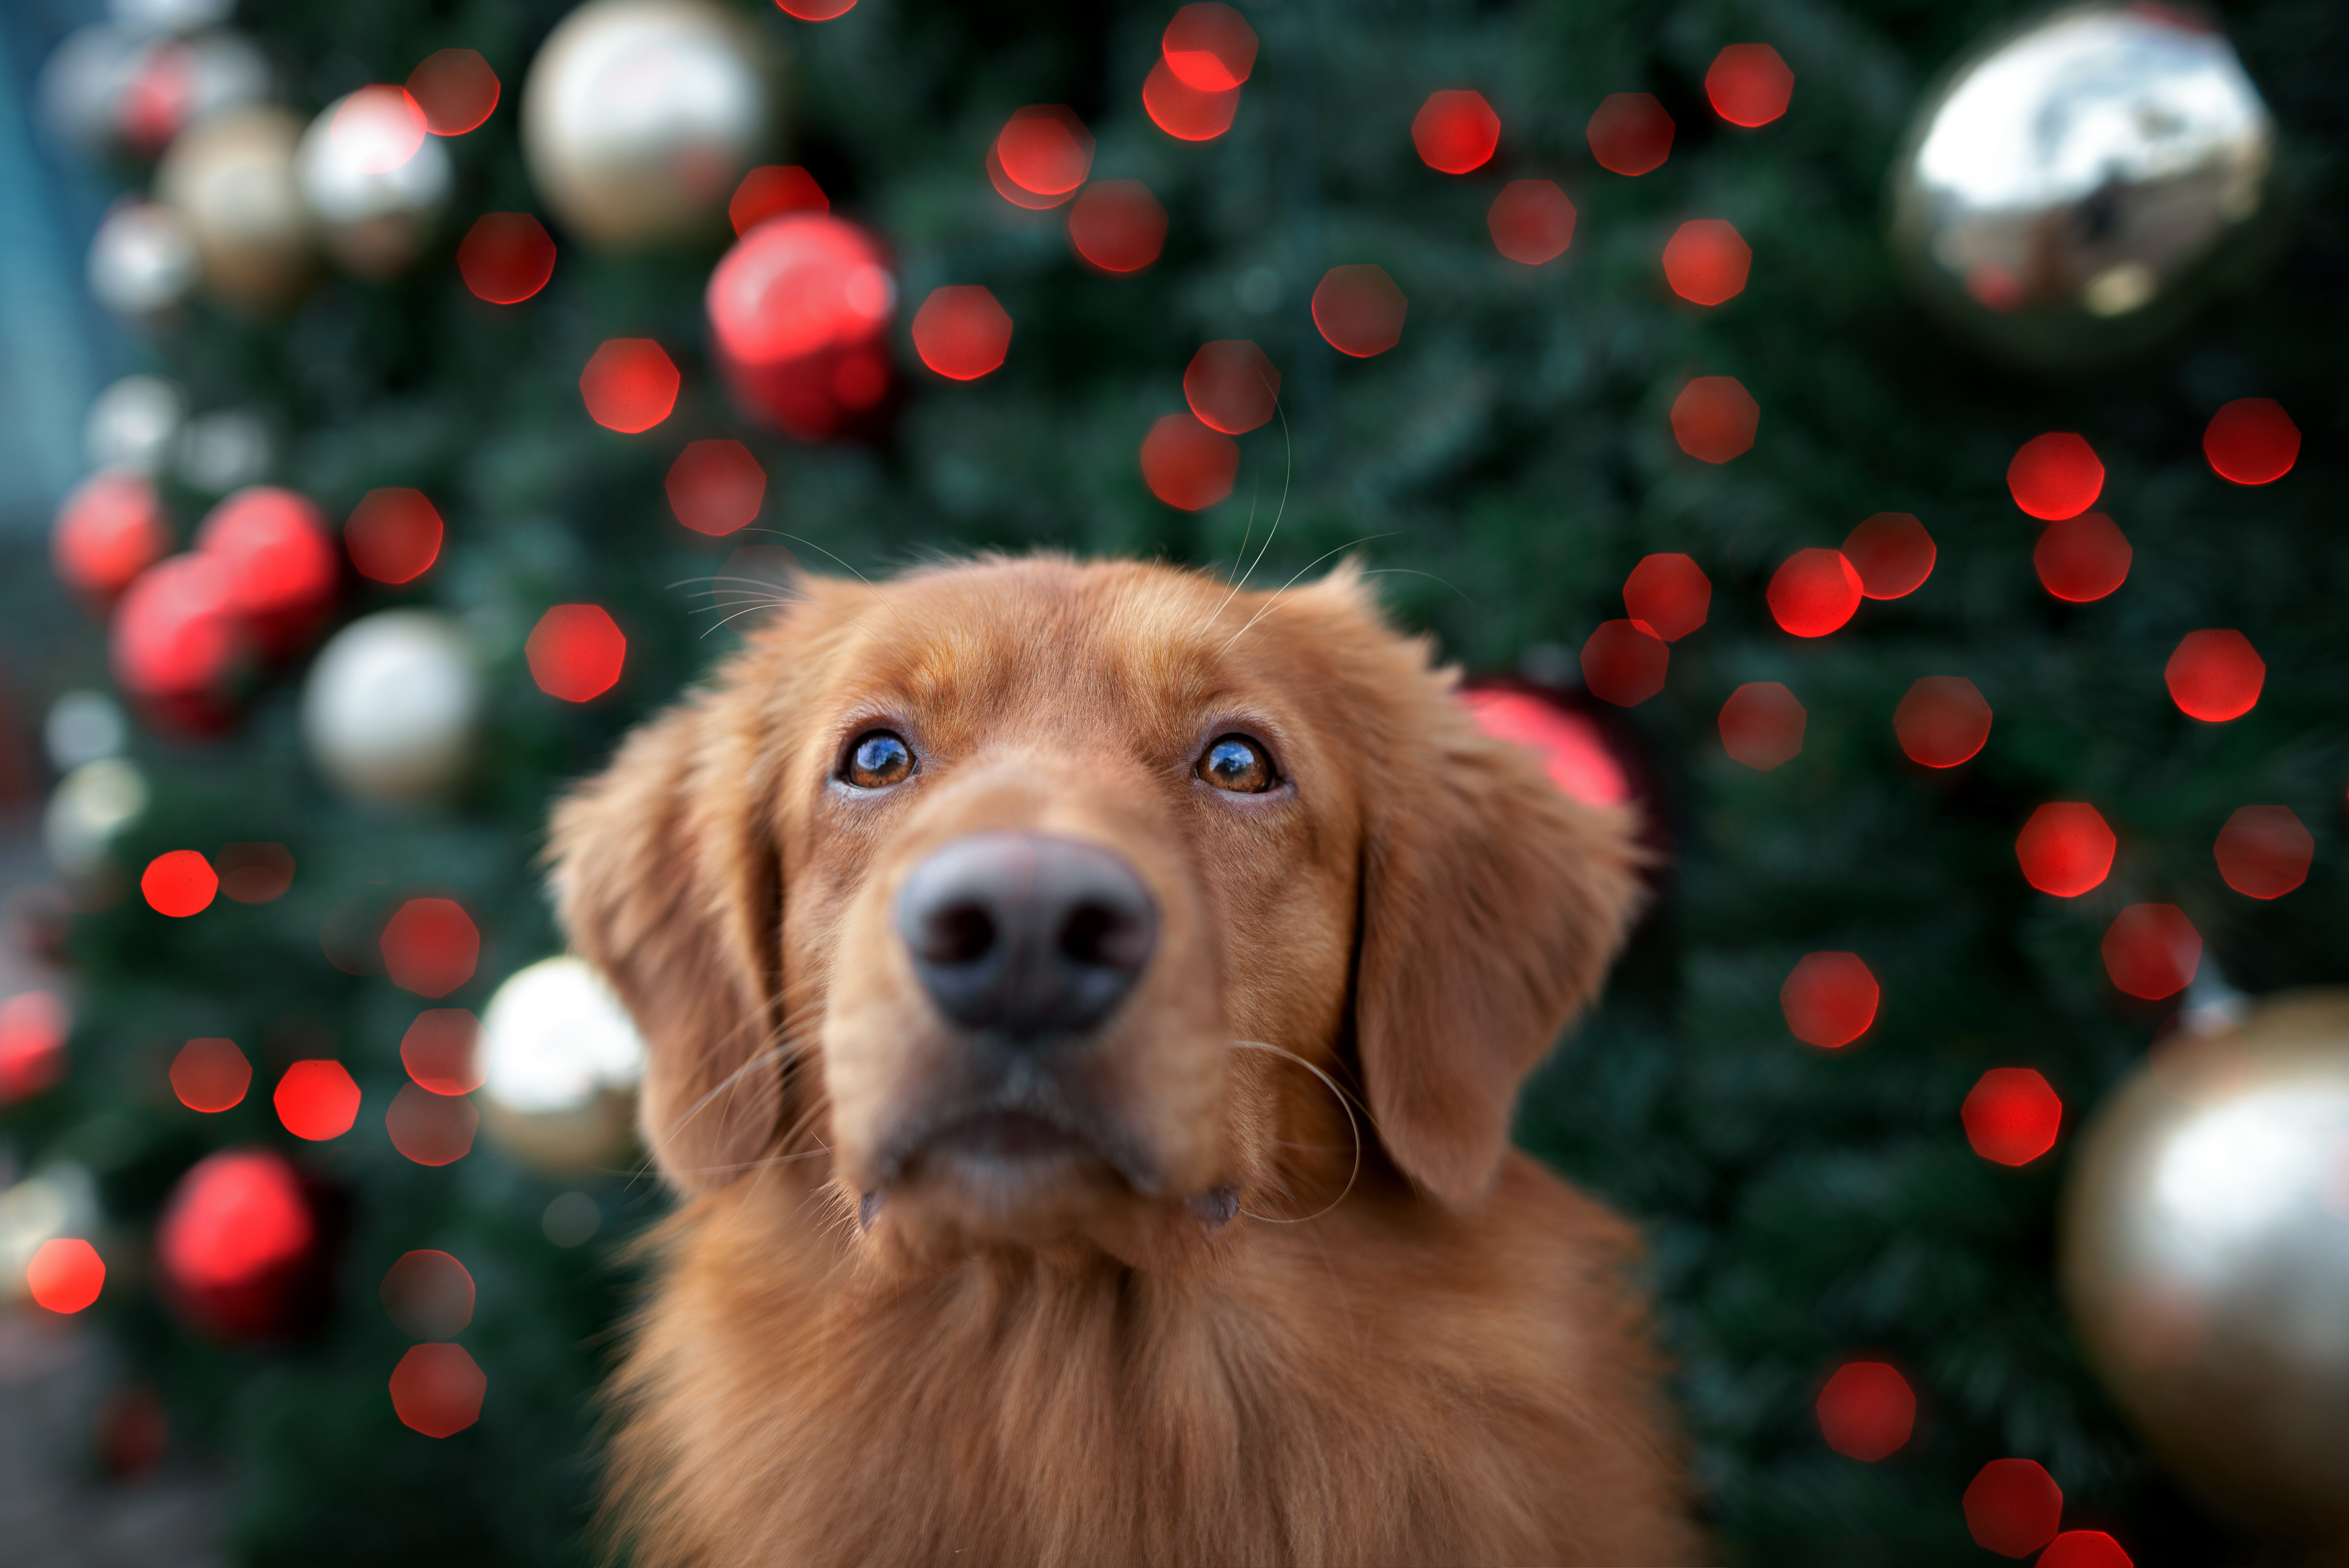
column 998, row 1178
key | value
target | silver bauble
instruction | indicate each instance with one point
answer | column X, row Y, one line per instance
column 392, row 708
column 560, row 1061
column 375, row 209
column 230, row 180
column 129, row 88
column 2205, row 1256
column 134, row 424
column 143, row 261
column 90, row 806
column 2076, row 189
column 639, row 116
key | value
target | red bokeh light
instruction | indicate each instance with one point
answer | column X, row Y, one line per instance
column 1360, row 310
column 456, row 90
column 716, row 486
column 1762, row 724
column 2215, row 676
column 1210, row 46
column 32, row 1029
column 1631, row 133
column 1814, row 592
column 2263, row 851
column 179, row 882
column 506, row 257
column 771, row 191
column 961, row 332
column 1117, row 226
column 378, row 128
column 1455, row 130
column 1045, row 149
column 1830, row 999
column 2065, row 849
column 1573, row 751
column 66, row 1274
column 816, row 10
column 1942, row 721
column 629, row 385
column 253, row 872
column 235, row 1234
column 439, row 1050
column 1532, row 222
column 2084, row 1549
column 281, row 565
column 393, row 535
column 2055, row 476
column 1714, row 419
column 1186, row 112
column 2251, row 441
column 2013, row 1507
column 211, row 1076
column 111, row 528
column 1749, row 85
column 177, row 640
column 430, row 946
column 1187, row 465
column 576, row 652
column 2151, row 950
column 1018, row 195
column 1624, row 662
column 1231, row 386
column 431, row 1128
column 316, row 1100
column 1867, row 1411
column 437, row 1389
column 1670, row 592
column 2082, row 558
column 1706, row 261
column 2012, row 1116
column 798, row 311
column 1892, row 554
column 428, row 1293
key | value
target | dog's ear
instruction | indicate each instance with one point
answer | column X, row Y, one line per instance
column 668, row 879
column 1492, row 905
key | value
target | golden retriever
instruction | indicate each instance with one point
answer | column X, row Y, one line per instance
column 1085, row 1007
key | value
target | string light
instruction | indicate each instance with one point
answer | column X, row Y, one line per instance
column 2055, row 476
column 437, row 1389
column 1941, row 721
column 1762, row 724
column 1231, row 386
column 2013, row 1507
column 255, row 872
column 2251, row 441
column 1867, row 1410
column 430, row 946
column 393, row 535
column 505, row 257
column 1531, row 221
column 1045, row 150
column 576, row 652
column 961, row 332
column 316, row 1099
column 1892, row 554
column 2215, row 676
column 428, row 1294
column 430, row 1128
column 64, row 1275
column 1210, row 46
column 1117, row 226
column 1706, row 261
column 2065, row 849
column 1830, row 999
column 716, row 486
column 1714, row 419
column 1456, row 132
column 179, row 883
column 1749, row 85
column 2084, row 1549
column 1670, row 594
column 1812, row 593
column 1624, row 662
column 2082, row 559
column 211, row 1076
column 1360, row 310
column 1631, row 133
column 629, row 385
column 2152, row 950
column 2264, row 851
column 1186, row 112
column 455, row 89
column 439, row 1050
column 2012, row 1116
column 1187, row 465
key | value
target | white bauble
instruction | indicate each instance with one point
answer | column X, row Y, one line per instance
column 374, row 189
column 133, row 88
column 90, row 806
column 392, row 707
column 231, row 180
column 560, row 1060
column 83, row 726
column 134, row 423
column 58, row 1199
column 143, row 261
column 639, row 116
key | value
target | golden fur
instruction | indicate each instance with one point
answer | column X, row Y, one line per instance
column 1409, row 1344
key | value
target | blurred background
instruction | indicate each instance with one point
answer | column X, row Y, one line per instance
column 1898, row 446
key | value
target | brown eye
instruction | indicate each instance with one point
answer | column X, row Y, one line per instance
column 879, row 758
column 1237, row 764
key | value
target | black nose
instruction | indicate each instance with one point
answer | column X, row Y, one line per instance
column 1026, row 936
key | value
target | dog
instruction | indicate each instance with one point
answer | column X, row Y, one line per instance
column 1084, row 1005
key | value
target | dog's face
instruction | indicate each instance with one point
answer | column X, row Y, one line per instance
column 1044, row 903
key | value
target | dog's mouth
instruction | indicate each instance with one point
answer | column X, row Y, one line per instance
column 1006, row 1165
column 1003, row 1137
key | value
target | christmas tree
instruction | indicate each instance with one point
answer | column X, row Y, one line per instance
column 1508, row 375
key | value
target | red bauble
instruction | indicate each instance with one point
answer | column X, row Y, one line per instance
column 241, row 1246
column 799, row 310
column 179, row 645
column 281, row 562
column 109, row 530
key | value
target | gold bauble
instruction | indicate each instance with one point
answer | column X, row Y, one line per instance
column 2205, row 1258
column 231, row 180
column 560, row 1062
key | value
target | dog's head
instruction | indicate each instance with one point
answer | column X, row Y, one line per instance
column 1035, row 901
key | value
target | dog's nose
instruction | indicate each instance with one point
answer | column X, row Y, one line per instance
column 1026, row 936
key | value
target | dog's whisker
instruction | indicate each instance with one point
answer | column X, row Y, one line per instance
column 1289, row 470
column 1275, row 601
column 1352, row 1124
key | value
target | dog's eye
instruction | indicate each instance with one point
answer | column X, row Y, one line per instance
column 880, row 758
column 1237, row 764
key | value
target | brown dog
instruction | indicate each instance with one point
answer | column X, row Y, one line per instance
column 1085, row 1007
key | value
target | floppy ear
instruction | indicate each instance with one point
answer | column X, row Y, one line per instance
column 1492, row 905
column 668, row 881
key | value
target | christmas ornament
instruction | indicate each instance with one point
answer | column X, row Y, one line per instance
column 34, row 1026
column 225, row 450
column 798, row 310
column 59, row 1200
column 143, row 260
column 392, row 708
column 639, row 117
column 279, row 562
column 560, row 1059
column 109, row 530
column 374, row 179
column 112, row 88
column 134, row 423
column 243, row 1249
column 2080, row 187
column 178, row 645
column 87, row 808
column 1574, row 749
column 2204, row 1252
column 82, row 727
column 232, row 181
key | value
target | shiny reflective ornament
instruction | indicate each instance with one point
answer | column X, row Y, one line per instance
column 143, row 260
column 232, row 182
column 376, row 191
column 109, row 87
column 2204, row 1252
column 134, row 423
column 59, row 1200
column 2078, row 189
column 560, row 1059
column 799, row 311
column 90, row 806
column 392, row 708
column 639, row 116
